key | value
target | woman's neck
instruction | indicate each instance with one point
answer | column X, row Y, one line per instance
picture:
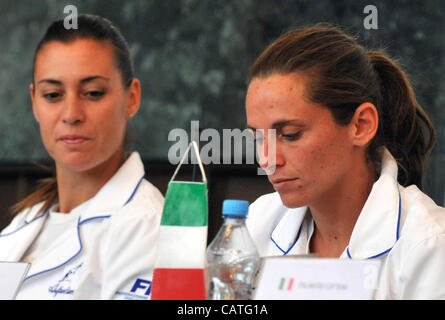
column 76, row 187
column 336, row 214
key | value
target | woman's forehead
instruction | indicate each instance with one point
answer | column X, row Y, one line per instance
column 279, row 100
column 79, row 58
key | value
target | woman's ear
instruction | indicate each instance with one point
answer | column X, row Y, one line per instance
column 364, row 124
column 134, row 99
column 32, row 92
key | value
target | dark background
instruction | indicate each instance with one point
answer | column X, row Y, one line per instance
column 192, row 57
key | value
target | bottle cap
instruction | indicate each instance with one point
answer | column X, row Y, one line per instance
column 235, row 207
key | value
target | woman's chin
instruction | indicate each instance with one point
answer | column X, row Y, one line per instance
column 77, row 162
column 292, row 200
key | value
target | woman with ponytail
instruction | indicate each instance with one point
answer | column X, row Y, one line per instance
column 351, row 143
column 91, row 231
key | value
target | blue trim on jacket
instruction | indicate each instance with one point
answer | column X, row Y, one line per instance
column 79, row 223
column 347, row 249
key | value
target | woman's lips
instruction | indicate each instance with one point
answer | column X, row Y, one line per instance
column 280, row 184
column 73, row 140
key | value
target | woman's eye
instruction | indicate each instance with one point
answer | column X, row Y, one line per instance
column 95, row 94
column 51, row 96
column 291, row 136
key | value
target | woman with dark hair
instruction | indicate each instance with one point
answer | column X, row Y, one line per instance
column 91, row 232
column 351, row 143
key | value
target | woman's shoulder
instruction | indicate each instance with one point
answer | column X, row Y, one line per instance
column 25, row 217
column 145, row 206
column 422, row 217
column 140, row 216
column 149, row 197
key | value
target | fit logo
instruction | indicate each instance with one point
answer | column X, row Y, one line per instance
column 286, row 284
column 140, row 285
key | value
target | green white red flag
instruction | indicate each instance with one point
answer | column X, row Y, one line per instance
column 180, row 264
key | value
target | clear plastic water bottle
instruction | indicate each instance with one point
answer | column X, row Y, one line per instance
column 232, row 258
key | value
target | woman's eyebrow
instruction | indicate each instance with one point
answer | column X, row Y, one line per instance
column 294, row 122
column 282, row 123
column 51, row 81
column 91, row 78
column 84, row 80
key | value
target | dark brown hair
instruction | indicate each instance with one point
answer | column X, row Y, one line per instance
column 343, row 75
column 89, row 27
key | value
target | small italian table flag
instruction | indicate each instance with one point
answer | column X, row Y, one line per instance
column 180, row 264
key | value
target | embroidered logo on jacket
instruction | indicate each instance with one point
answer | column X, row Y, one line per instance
column 63, row 286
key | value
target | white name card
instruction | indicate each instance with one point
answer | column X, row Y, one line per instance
column 12, row 275
column 302, row 278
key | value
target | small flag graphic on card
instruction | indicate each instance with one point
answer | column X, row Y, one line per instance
column 179, row 268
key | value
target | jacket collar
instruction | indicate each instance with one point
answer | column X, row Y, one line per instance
column 376, row 229
column 118, row 191
column 287, row 235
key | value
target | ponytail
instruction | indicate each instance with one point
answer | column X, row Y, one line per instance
column 46, row 192
column 405, row 129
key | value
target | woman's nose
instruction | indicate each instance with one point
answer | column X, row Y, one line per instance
column 73, row 112
column 269, row 155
